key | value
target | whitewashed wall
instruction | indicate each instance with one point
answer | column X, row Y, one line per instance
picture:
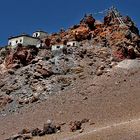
column 40, row 34
column 57, row 47
column 29, row 41
column 25, row 41
column 13, row 42
column 73, row 43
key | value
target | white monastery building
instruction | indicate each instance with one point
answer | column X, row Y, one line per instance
column 58, row 49
column 40, row 34
column 73, row 43
column 24, row 39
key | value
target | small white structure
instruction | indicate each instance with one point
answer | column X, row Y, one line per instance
column 24, row 39
column 57, row 49
column 73, row 43
column 40, row 34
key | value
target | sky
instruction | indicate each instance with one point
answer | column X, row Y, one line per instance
column 27, row 16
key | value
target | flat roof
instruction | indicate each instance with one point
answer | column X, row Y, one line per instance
column 23, row 35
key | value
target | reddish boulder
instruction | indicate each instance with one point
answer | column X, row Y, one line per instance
column 36, row 132
column 45, row 71
column 89, row 20
column 4, row 100
column 119, row 53
column 107, row 20
column 76, row 125
column 47, row 43
column 131, row 53
column 21, row 55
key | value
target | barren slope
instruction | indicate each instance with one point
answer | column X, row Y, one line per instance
column 111, row 98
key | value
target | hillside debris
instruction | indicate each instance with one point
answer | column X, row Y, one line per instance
column 30, row 74
column 89, row 21
column 48, row 129
column 21, row 56
column 74, row 126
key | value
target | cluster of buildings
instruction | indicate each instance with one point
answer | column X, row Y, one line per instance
column 35, row 40
column 26, row 40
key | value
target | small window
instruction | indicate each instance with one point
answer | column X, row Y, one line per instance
column 37, row 34
column 10, row 43
column 73, row 44
column 58, row 47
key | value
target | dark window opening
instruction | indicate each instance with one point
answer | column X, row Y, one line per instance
column 58, row 47
column 36, row 34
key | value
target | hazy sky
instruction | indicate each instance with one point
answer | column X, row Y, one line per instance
column 26, row 16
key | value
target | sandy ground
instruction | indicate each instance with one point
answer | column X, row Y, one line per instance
column 129, row 130
column 111, row 99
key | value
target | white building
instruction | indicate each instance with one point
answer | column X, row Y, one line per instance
column 58, row 49
column 73, row 43
column 40, row 44
column 24, row 39
column 40, row 34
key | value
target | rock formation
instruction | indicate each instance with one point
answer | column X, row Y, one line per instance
column 30, row 74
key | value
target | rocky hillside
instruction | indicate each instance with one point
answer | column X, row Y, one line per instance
column 31, row 75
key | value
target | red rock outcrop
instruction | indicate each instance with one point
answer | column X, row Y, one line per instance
column 21, row 55
column 89, row 21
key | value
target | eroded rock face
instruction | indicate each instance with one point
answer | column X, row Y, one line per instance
column 20, row 56
column 111, row 17
column 47, row 42
column 81, row 33
column 107, row 20
column 89, row 21
column 128, row 21
column 3, row 54
column 44, row 70
column 4, row 100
